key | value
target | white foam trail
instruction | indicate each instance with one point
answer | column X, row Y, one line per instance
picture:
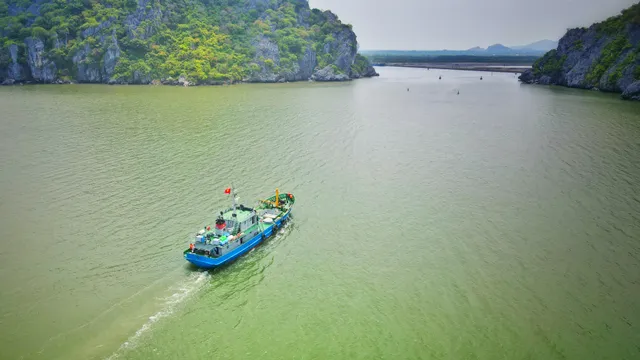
column 194, row 283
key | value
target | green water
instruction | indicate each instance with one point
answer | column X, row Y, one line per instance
column 501, row 223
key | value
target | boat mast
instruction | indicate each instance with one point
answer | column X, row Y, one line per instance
column 236, row 223
column 233, row 195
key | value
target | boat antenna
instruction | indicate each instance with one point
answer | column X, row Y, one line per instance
column 233, row 195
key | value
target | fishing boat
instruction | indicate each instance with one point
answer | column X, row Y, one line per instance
column 239, row 229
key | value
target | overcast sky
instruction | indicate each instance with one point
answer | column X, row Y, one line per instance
column 462, row 24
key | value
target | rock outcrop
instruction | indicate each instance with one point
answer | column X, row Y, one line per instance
column 42, row 69
column 97, row 64
column 632, row 92
column 329, row 73
column 369, row 71
column 345, row 46
column 605, row 56
column 362, row 68
column 142, row 24
column 14, row 70
column 110, row 58
column 198, row 42
column 341, row 48
column 267, row 58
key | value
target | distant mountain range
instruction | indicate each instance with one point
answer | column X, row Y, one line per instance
column 537, row 48
column 542, row 45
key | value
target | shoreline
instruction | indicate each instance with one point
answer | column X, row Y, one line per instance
column 486, row 67
column 174, row 84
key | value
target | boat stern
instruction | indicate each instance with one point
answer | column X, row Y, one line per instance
column 201, row 261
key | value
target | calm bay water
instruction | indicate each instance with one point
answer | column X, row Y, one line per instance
column 501, row 223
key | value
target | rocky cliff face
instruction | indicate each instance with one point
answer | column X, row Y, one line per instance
column 42, row 69
column 159, row 41
column 605, row 56
column 340, row 50
column 12, row 71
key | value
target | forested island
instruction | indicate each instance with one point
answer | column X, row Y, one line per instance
column 176, row 42
column 605, row 56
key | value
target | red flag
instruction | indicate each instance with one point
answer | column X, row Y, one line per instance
column 227, row 191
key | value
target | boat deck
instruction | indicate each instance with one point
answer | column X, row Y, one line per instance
column 242, row 214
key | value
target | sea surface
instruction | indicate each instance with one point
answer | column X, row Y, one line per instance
column 502, row 222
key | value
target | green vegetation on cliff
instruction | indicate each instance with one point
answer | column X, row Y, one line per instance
column 628, row 61
column 610, row 54
column 550, row 64
column 578, row 45
column 360, row 65
column 616, row 24
column 204, row 41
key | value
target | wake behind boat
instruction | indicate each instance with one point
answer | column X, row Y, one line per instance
column 238, row 230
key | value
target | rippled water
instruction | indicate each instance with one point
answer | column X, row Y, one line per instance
column 501, row 223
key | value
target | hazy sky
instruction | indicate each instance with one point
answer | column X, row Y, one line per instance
column 462, row 24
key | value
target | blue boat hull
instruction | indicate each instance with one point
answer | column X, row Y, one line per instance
column 206, row 262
